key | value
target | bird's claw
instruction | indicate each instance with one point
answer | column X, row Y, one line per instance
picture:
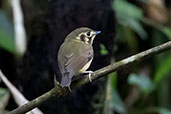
column 89, row 75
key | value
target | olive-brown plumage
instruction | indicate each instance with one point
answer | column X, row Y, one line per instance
column 76, row 54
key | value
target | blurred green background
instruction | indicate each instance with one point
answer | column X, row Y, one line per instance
column 144, row 88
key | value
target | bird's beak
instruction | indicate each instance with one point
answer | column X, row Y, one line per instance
column 97, row 32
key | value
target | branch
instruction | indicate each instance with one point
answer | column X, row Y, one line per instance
column 17, row 95
column 59, row 91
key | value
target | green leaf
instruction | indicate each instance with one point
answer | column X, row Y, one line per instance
column 143, row 82
column 6, row 42
column 163, row 69
column 166, row 31
column 129, row 15
column 103, row 50
column 113, row 76
column 157, row 110
column 125, row 9
column 163, row 111
column 6, row 34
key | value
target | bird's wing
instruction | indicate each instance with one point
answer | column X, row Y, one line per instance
column 70, row 63
column 77, row 62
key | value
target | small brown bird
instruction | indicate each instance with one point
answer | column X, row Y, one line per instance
column 76, row 54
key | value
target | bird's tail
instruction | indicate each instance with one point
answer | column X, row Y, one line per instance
column 65, row 81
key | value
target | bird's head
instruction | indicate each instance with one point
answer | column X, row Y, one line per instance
column 83, row 35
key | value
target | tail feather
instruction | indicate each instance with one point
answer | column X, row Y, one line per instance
column 66, row 81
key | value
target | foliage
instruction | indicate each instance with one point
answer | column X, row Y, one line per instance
column 103, row 50
column 6, row 34
column 163, row 69
column 133, row 16
column 143, row 82
column 134, row 30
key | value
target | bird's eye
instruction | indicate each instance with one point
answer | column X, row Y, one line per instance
column 88, row 33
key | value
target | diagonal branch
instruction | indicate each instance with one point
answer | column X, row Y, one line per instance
column 58, row 91
column 17, row 95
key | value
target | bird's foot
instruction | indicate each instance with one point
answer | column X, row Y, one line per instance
column 89, row 74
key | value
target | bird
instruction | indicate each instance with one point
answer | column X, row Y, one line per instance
column 76, row 54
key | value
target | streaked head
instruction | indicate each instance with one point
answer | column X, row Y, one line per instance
column 83, row 34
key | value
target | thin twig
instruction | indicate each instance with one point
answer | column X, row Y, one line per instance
column 18, row 97
column 20, row 34
column 58, row 91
